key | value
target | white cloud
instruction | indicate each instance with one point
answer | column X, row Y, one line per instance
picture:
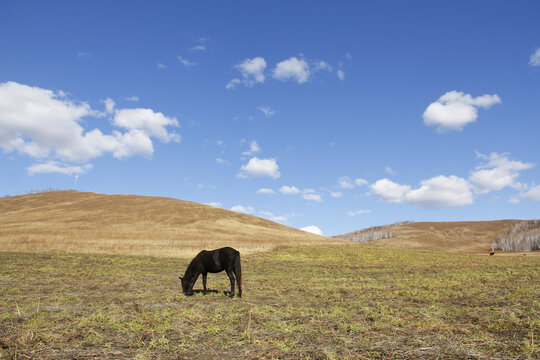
column 336, row 194
column 232, row 84
column 55, row 167
column 439, row 191
column 260, row 167
column 497, row 173
column 186, row 62
column 361, row 182
column 254, row 148
column 133, row 98
column 243, row 209
column 358, row 212
column 268, row 112
column 341, row 74
column 252, row 71
column 345, row 182
column 454, row 110
column 289, row 190
column 161, row 66
column 109, row 105
column 198, row 48
column 222, row 161
column 532, row 195
column 265, row 191
column 292, row 69
column 215, row 204
column 83, row 55
column 389, row 191
column 47, row 126
column 312, row 197
column 535, row 58
column 149, row 122
column 271, row 216
column 389, row 170
column 322, row 65
column 312, row 229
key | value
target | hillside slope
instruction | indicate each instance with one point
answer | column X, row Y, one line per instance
column 76, row 221
column 463, row 236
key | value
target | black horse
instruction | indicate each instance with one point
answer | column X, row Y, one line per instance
column 214, row 261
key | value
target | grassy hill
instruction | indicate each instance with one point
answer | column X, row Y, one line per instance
column 462, row 236
column 85, row 222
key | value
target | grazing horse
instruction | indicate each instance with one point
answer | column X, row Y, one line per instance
column 214, row 261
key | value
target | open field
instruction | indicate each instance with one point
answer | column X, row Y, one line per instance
column 323, row 302
column 82, row 222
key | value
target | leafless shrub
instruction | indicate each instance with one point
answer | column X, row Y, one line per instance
column 521, row 237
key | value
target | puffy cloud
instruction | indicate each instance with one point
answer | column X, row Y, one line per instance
column 454, row 110
column 289, row 190
column 252, row 71
column 161, row 66
column 45, row 125
column 198, row 48
column 358, row 212
column 497, row 173
column 134, row 98
column 535, row 58
column 260, row 167
column 265, row 191
column 336, row 194
column 531, row 195
column 149, row 122
column 439, row 191
column 254, row 148
column 243, row 209
column 341, row 74
column 389, row 191
column 292, row 69
column 312, row 229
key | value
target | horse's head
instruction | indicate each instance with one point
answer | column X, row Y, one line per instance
column 186, row 284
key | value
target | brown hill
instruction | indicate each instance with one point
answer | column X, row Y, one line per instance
column 462, row 236
column 76, row 221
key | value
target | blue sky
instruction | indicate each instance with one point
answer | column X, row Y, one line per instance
column 330, row 115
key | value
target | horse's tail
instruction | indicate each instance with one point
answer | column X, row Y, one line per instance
column 238, row 272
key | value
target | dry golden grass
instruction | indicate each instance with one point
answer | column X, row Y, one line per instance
column 82, row 222
column 461, row 237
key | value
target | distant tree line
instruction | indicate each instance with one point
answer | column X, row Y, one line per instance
column 521, row 237
column 372, row 233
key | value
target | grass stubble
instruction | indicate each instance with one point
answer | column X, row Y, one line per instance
column 310, row 302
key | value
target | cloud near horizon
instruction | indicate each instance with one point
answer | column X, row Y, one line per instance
column 46, row 126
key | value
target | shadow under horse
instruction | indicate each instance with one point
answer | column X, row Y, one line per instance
column 213, row 261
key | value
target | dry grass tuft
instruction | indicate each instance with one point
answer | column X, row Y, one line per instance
column 81, row 222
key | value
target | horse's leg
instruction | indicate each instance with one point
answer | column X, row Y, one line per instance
column 237, row 269
column 204, row 283
column 231, row 278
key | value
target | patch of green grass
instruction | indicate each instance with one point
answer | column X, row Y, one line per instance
column 333, row 302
